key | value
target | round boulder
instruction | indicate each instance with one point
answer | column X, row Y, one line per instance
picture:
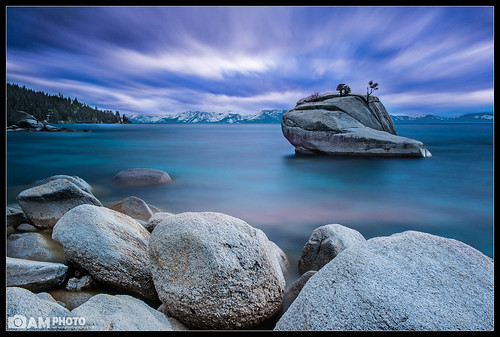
column 82, row 184
column 23, row 302
column 325, row 243
column 105, row 312
column 15, row 217
column 34, row 246
column 407, row 281
column 141, row 177
column 110, row 245
column 133, row 207
column 214, row 271
column 43, row 205
column 34, row 275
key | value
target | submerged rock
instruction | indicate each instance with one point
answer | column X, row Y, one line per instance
column 45, row 204
column 25, row 227
column 34, row 275
column 142, row 177
column 110, row 245
column 325, row 243
column 347, row 126
column 214, row 271
column 407, row 281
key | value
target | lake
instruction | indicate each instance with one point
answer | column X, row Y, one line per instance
column 251, row 172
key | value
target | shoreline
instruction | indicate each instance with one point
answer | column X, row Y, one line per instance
column 290, row 290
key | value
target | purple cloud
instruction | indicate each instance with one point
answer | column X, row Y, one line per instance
column 171, row 59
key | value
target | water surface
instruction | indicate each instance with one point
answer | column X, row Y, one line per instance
column 251, row 172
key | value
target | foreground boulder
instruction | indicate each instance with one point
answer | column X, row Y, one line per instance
column 214, row 271
column 73, row 299
column 34, row 246
column 28, row 311
column 122, row 312
column 45, row 204
column 133, row 207
column 142, row 177
column 293, row 291
column 348, row 126
column 82, row 184
column 156, row 219
column 34, row 275
column 85, row 282
column 281, row 256
column 27, row 305
column 407, row 281
column 110, row 245
column 15, row 217
column 325, row 243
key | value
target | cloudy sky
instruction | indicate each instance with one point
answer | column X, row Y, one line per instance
column 157, row 60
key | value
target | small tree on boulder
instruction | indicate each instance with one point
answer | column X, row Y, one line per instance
column 313, row 96
column 371, row 87
column 343, row 89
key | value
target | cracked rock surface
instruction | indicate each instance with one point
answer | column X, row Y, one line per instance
column 346, row 126
column 214, row 271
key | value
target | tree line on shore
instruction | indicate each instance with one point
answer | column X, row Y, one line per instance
column 56, row 108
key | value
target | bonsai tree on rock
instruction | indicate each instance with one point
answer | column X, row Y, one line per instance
column 371, row 87
column 343, row 89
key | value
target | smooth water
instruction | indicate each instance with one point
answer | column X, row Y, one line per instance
column 251, row 172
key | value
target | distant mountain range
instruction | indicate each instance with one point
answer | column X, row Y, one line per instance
column 265, row 116
column 480, row 117
column 274, row 116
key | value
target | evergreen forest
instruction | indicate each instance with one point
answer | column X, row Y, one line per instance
column 56, row 108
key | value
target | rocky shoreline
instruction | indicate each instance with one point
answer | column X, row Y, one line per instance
column 131, row 266
column 22, row 121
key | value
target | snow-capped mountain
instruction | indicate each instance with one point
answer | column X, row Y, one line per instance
column 274, row 116
column 265, row 116
column 480, row 117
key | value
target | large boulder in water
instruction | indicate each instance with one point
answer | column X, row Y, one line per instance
column 214, row 271
column 407, row 281
column 348, row 126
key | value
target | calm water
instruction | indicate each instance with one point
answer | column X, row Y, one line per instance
column 251, row 172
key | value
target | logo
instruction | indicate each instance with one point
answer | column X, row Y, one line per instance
column 16, row 322
column 23, row 322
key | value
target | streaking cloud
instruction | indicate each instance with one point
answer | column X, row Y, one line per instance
column 157, row 60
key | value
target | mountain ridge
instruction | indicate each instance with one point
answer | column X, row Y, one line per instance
column 275, row 115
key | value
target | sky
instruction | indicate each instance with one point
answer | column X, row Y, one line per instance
column 160, row 60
